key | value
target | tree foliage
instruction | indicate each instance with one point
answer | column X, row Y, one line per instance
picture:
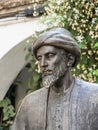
column 81, row 19
column 8, row 114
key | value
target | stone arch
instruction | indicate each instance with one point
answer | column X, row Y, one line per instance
column 11, row 64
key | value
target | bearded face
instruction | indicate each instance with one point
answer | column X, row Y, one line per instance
column 53, row 63
column 57, row 72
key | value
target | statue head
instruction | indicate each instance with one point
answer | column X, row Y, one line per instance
column 56, row 52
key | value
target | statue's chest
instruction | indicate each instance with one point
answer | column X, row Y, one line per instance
column 51, row 115
column 62, row 113
column 58, row 111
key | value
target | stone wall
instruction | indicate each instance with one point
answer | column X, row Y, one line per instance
column 12, row 7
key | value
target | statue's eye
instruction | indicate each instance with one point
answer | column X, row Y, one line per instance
column 51, row 55
column 39, row 58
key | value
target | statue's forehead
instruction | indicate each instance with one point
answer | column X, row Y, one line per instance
column 47, row 49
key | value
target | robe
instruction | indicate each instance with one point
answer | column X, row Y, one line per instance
column 44, row 109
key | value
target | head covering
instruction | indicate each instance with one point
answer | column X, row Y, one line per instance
column 60, row 38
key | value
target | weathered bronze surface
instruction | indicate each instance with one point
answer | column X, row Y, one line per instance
column 65, row 102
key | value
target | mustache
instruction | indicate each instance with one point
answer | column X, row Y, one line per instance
column 47, row 72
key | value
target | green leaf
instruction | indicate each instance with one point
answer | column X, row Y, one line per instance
column 36, row 77
column 5, row 109
column 1, row 128
column 6, row 116
column 96, row 72
column 96, row 45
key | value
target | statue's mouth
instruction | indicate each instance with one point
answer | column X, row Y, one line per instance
column 47, row 72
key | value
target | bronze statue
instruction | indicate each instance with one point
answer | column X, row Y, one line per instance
column 65, row 102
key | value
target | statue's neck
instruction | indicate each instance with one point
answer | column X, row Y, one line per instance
column 64, row 82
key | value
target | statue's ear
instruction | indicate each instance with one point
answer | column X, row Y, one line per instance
column 71, row 59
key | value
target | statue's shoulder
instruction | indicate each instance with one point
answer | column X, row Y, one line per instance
column 86, row 85
column 87, row 90
column 36, row 96
column 39, row 92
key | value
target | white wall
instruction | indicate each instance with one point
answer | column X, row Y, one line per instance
column 10, row 65
column 12, row 50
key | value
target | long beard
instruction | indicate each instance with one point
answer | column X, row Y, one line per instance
column 49, row 81
column 59, row 71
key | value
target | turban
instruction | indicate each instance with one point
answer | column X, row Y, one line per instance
column 60, row 38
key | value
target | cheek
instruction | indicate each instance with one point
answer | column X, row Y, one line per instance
column 54, row 63
column 56, row 60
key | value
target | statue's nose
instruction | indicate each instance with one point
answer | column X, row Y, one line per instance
column 43, row 62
